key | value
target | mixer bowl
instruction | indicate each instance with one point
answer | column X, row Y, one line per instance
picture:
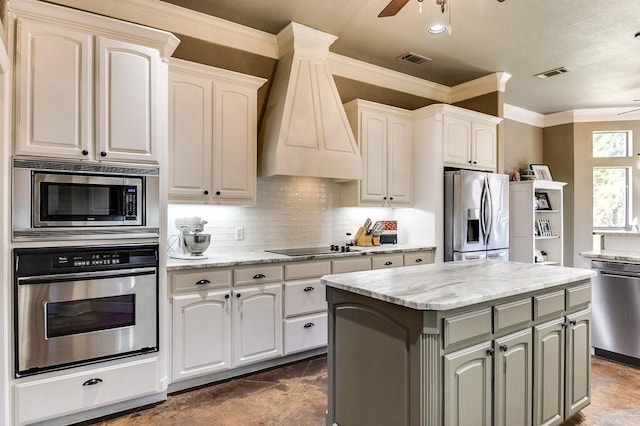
column 197, row 243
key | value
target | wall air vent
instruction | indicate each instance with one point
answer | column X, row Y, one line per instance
column 413, row 58
column 551, row 73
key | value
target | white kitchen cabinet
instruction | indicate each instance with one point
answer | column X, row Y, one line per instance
column 524, row 238
column 468, row 142
column 212, row 134
column 256, row 323
column 87, row 87
column 201, row 333
column 384, row 135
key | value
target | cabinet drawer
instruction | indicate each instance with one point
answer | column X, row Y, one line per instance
column 578, row 296
column 300, row 270
column 387, row 261
column 512, row 314
column 305, row 333
column 201, row 279
column 258, row 274
column 548, row 304
column 418, row 258
column 467, row 326
column 304, row 297
column 350, row 265
column 58, row 396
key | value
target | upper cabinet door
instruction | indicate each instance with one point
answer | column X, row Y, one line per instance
column 484, row 149
column 400, row 160
column 235, row 147
column 373, row 149
column 127, row 104
column 456, row 147
column 53, row 90
column 190, row 135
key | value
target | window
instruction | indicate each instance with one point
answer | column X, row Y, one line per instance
column 612, row 179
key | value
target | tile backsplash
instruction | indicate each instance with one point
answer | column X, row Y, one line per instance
column 290, row 212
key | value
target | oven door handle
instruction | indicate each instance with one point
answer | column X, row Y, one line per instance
column 80, row 276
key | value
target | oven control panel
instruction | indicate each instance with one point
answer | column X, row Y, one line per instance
column 89, row 259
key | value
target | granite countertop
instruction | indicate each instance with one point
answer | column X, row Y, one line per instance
column 217, row 260
column 618, row 255
column 449, row 285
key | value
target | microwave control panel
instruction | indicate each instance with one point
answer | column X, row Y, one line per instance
column 130, row 202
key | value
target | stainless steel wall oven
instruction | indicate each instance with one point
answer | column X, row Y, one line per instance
column 55, row 200
column 80, row 305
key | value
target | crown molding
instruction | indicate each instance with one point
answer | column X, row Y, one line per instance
column 384, row 77
column 159, row 14
column 521, row 115
column 495, row 82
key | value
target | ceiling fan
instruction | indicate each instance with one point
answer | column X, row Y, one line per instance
column 631, row 110
column 394, row 7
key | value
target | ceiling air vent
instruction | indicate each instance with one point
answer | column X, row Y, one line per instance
column 413, row 58
column 551, row 73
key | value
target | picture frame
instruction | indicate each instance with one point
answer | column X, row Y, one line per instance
column 541, row 171
column 542, row 201
column 544, row 228
column 538, row 257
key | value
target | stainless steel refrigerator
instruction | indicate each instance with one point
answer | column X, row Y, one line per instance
column 476, row 215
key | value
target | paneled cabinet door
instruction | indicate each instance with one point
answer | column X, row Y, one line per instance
column 512, row 379
column 456, row 140
column 548, row 367
column 190, row 135
column 483, row 148
column 128, row 101
column 201, row 333
column 578, row 386
column 235, row 148
column 467, row 386
column 400, row 159
column 54, row 82
column 257, row 323
column 374, row 155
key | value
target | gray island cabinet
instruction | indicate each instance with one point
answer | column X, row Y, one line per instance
column 459, row 343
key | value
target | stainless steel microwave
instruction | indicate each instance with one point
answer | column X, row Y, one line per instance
column 54, row 200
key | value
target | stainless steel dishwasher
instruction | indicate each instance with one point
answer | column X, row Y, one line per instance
column 616, row 310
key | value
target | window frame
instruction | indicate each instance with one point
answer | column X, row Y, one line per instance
column 628, row 196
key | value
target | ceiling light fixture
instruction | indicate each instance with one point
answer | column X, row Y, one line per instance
column 439, row 17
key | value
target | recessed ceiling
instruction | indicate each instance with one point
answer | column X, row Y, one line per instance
column 595, row 40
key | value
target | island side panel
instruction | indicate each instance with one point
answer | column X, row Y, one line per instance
column 374, row 362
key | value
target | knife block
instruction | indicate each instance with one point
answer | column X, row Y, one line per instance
column 364, row 240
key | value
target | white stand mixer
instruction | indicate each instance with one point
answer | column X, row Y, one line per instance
column 192, row 242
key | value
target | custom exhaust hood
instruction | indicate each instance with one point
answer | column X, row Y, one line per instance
column 305, row 130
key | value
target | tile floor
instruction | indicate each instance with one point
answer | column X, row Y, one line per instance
column 295, row 395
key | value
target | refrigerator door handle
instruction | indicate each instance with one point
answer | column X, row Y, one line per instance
column 490, row 211
column 483, row 207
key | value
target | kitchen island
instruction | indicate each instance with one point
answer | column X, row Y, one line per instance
column 459, row 343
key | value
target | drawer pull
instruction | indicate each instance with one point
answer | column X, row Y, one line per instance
column 308, row 288
column 259, row 276
column 388, row 263
column 504, row 348
column 419, row 260
column 309, row 325
column 203, row 282
column 92, row 382
column 573, row 322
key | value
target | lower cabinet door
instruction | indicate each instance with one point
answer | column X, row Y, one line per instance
column 548, row 367
column 201, row 333
column 306, row 332
column 512, row 379
column 257, row 323
column 467, row 386
column 578, row 374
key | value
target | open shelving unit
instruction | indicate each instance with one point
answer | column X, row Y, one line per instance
column 533, row 228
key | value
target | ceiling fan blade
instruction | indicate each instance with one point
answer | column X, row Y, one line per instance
column 392, row 8
column 628, row 112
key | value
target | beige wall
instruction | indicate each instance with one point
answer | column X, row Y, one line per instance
column 522, row 145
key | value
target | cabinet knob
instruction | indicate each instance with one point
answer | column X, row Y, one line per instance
column 309, row 325
column 218, row 192
column 573, row 322
column 203, row 282
column 469, row 161
column 490, row 352
column 103, row 154
column 504, row 348
column 92, row 382
column 419, row 260
column 258, row 276
column 308, row 288
column 85, row 152
column 391, row 198
column 475, row 162
column 226, row 296
column 206, row 192
column 384, row 198
column 389, row 263
column 238, row 295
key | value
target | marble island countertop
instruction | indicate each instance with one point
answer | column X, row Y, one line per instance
column 216, row 260
column 615, row 255
column 450, row 285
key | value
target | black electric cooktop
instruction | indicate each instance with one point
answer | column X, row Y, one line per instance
column 308, row 251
